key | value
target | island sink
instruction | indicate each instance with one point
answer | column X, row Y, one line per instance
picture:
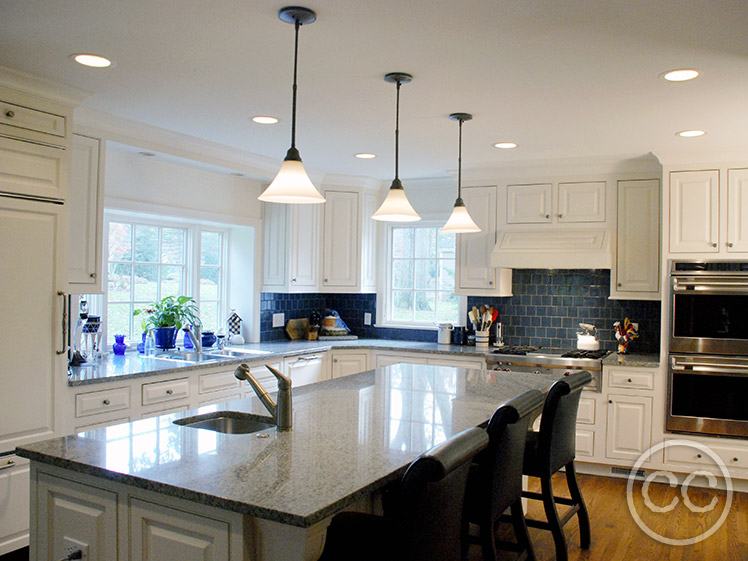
column 229, row 422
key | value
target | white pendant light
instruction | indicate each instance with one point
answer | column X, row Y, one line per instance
column 396, row 207
column 460, row 221
column 292, row 184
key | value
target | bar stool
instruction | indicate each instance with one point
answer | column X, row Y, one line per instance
column 427, row 523
column 549, row 450
column 495, row 482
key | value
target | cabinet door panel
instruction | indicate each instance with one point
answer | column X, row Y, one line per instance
column 163, row 533
column 528, row 204
column 341, row 239
column 348, row 363
column 474, row 250
column 14, row 503
column 581, row 202
column 638, row 245
column 737, row 210
column 629, row 426
column 78, row 515
column 304, row 245
column 694, row 211
column 275, row 244
column 33, row 170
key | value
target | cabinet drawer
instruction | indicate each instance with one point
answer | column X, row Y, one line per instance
column 217, row 382
column 102, row 401
column 158, row 392
column 31, row 169
column 631, row 378
column 732, row 456
column 31, row 124
column 586, row 411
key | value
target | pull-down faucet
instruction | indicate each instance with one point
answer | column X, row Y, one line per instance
column 282, row 412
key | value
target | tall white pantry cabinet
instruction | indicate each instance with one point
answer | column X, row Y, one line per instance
column 35, row 142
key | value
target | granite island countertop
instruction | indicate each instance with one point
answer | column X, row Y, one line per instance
column 350, row 437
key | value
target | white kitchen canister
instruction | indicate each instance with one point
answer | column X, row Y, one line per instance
column 481, row 338
column 445, row 333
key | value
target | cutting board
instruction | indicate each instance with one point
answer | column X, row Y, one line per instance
column 297, row 328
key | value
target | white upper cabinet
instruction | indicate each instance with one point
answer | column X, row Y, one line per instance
column 637, row 271
column 529, row 204
column 291, row 248
column 737, row 210
column 475, row 276
column 694, row 211
column 86, row 215
column 341, row 249
column 581, row 202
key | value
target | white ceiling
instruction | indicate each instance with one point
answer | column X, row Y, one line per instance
column 564, row 79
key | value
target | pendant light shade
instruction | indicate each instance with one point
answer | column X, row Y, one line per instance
column 292, row 184
column 460, row 221
column 396, row 207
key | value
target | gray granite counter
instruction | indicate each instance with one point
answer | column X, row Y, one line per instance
column 350, row 437
column 134, row 365
column 633, row 360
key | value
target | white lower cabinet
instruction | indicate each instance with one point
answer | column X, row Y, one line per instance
column 157, row 532
column 629, row 430
column 306, row 369
column 14, row 503
column 385, row 359
column 345, row 363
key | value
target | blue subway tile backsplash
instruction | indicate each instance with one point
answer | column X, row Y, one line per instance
column 545, row 310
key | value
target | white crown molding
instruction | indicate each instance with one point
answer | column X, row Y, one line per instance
column 701, row 160
column 42, row 87
column 128, row 205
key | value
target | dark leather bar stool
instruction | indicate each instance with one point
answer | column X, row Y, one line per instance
column 554, row 447
column 495, row 482
column 427, row 522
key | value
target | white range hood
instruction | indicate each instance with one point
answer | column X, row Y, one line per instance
column 557, row 249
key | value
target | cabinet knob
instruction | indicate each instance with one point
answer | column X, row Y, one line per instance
column 547, row 215
column 490, row 283
column 714, row 244
column 169, row 392
column 729, row 244
column 620, row 285
column 698, row 456
column 106, row 402
column 325, row 280
column 10, row 114
column 610, row 401
column 560, row 215
column 629, row 380
column 734, row 459
column 293, row 280
column 92, row 275
column 335, row 360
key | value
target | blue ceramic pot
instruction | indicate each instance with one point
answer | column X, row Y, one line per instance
column 119, row 346
column 209, row 339
column 166, row 337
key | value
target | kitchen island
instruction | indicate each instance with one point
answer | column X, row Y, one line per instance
column 156, row 490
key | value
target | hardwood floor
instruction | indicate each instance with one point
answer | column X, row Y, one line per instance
column 617, row 537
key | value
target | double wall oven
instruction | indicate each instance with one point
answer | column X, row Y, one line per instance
column 708, row 348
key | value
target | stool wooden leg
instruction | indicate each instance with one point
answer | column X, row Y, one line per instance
column 520, row 529
column 576, row 495
column 553, row 521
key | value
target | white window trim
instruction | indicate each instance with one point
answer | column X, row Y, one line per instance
column 192, row 260
column 385, row 280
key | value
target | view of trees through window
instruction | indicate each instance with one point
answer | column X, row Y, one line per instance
column 423, row 275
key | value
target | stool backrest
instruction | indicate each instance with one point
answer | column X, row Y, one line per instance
column 500, row 465
column 558, row 426
column 430, row 520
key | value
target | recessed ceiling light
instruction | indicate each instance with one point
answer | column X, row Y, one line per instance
column 365, row 156
column 146, row 154
column 265, row 120
column 95, row 61
column 506, row 145
column 680, row 75
column 690, row 133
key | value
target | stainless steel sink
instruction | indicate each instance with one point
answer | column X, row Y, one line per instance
column 229, row 422
column 189, row 357
column 234, row 353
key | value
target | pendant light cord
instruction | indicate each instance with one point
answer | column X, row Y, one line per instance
column 297, row 25
column 459, row 164
column 397, row 132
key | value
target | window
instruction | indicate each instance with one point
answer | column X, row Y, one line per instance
column 149, row 260
column 421, row 277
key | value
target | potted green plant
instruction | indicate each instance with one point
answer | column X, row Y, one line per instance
column 169, row 315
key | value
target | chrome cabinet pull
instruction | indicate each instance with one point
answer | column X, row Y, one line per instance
column 7, row 465
column 169, row 392
column 106, row 402
column 10, row 114
column 64, row 324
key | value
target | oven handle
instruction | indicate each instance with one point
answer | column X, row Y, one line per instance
column 706, row 366
column 716, row 285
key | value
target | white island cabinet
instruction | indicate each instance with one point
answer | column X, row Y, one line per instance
column 154, row 490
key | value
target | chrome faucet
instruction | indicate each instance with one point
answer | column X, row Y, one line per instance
column 282, row 412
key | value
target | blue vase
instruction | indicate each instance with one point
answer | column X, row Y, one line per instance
column 141, row 345
column 166, row 337
column 208, row 339
column 187, row 341
column 119, row 346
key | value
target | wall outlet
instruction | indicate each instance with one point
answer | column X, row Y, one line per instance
column 367, row 318
column 279, row 319
column 74, row 549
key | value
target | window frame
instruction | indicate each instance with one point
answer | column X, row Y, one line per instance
column 193, row 239
column 384, row 292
